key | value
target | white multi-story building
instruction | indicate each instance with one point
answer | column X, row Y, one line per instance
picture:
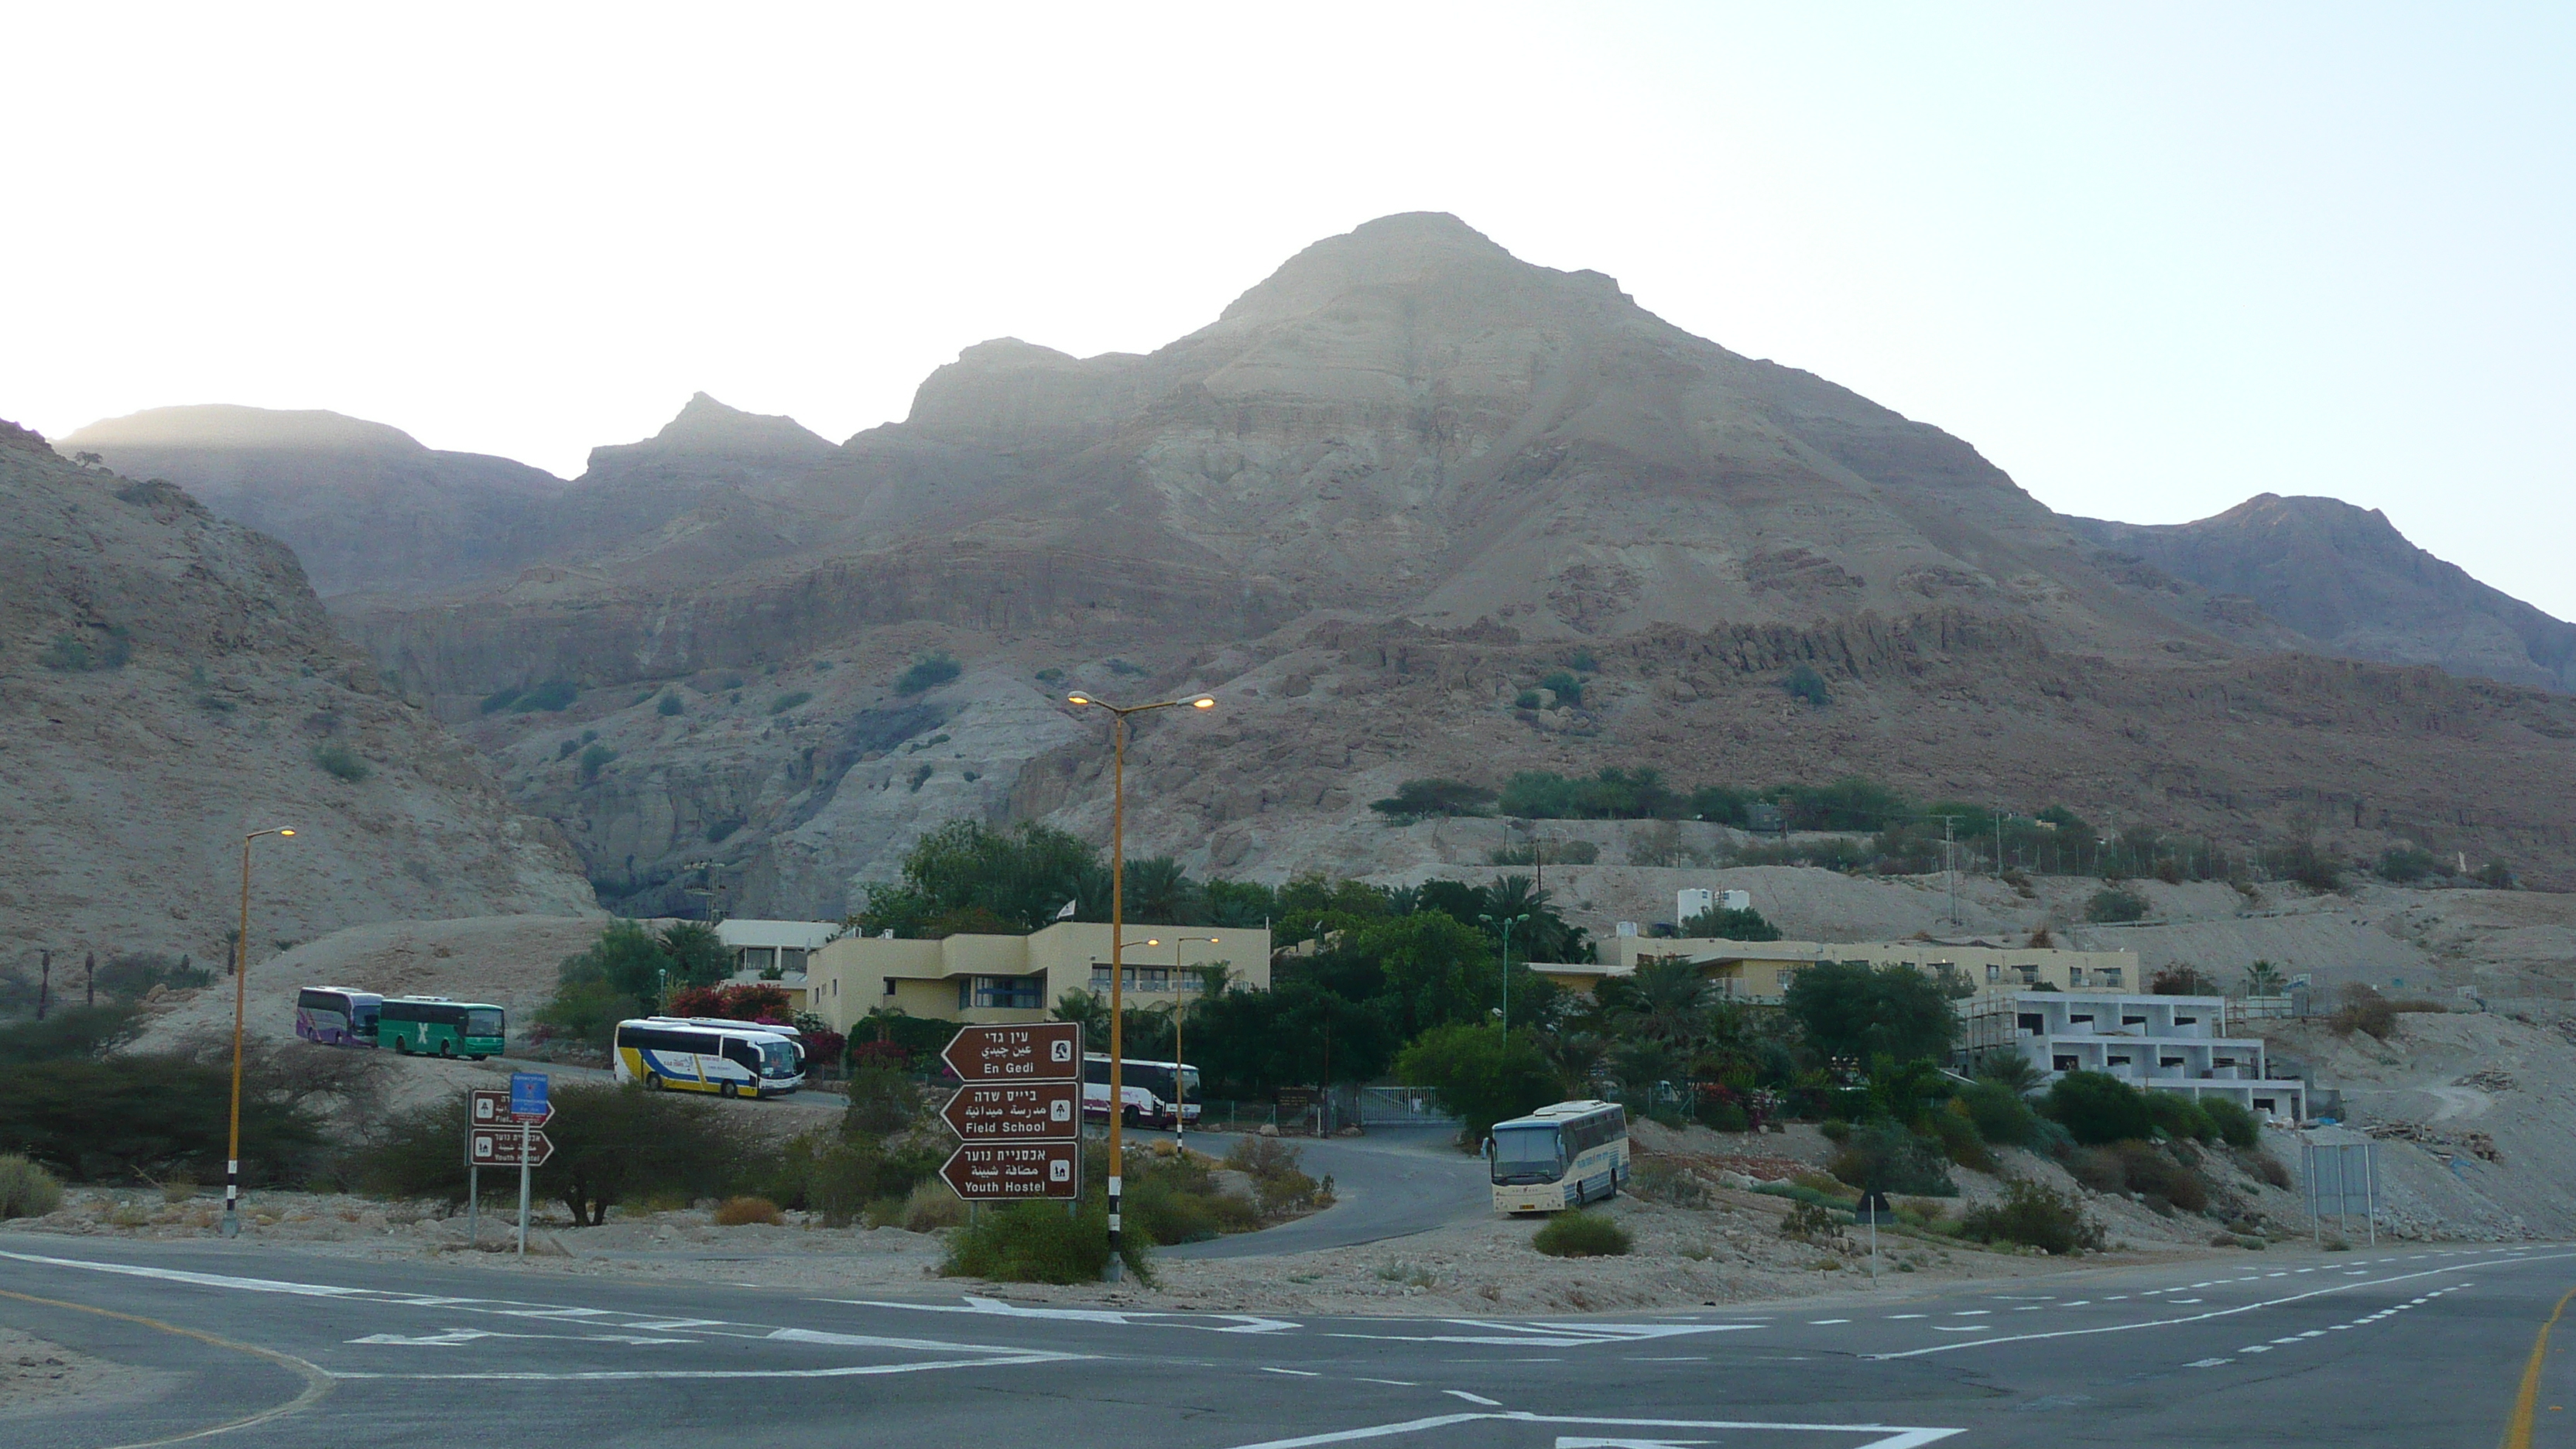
column 2167, row 1043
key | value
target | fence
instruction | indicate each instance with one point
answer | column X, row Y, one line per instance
column 2342, row 1177
column 1401, row 1107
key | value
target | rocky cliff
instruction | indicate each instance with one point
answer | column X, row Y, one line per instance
column 169, row 681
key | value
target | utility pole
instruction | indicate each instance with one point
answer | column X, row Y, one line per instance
column 1950, row 861
column 44, row 982
column 89, row 982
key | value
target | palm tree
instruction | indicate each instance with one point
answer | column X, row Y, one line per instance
column 2263, row 979
column 2010, row 1069
column 1672, row 1002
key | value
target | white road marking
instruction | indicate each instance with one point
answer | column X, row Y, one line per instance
column 623, row 1375
column 1963, row 1328
column 1234, row 1322
column 1299, row 1373
column 1821, row 1322
column 1473, row 1398
column 1885, row 1436
column 1393, row 1383
column 1971, row 1313
column 2208, row 1362
column 2213, row 1313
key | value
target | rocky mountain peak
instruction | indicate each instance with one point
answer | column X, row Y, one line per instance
column 705, row 427
column 229, row 427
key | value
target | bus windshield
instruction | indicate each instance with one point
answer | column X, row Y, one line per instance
column 777, row 1059
column 1528, row 1154
column 482, row 1021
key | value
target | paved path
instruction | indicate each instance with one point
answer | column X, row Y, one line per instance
column 2390, row 1350
column 1390, row 1184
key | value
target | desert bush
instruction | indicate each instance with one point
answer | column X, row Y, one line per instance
column 1811, row 1222
column 2181, row 980
column 26, row 1190
column 1727, row 1117
column 2406, row 864
column 592, row 759
column 2265, row 1166
column 2000, row 1114
column 1175, row 1200
column 2365, row 1010
column 785, row 702
column 151, row 1115
column 1960, row 1139
column 735, row 1212
column 1806, row 685
column 2179, row 1117
column 2098, row 1168
column 882, row 1100
column 552, row 697
column 1885, row 1157
column 2096, row 1107
column 929, row 1208
column 1658, row 1179
column 1579, row 1234
column 1038, row 1242
column 340, row 762
column 2154, row 1172
column 2033, row 1215
column 1277, row 1182
column 2116, row 904
column 2494, row 876
column 2234, row 1125
column 1422, row 799
column 1555, row 852
column 670, row 705
column 928, row 671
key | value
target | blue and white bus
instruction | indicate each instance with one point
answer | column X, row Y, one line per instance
column 732, row 1059
column 1558, row 1157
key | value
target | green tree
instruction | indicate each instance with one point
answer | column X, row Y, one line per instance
column 1423, row 799
column 1482, row 1073
column 1023, row 875
column 2096, row 1107
column 1854, row 1010
column 696, row 953
column 1720, row 924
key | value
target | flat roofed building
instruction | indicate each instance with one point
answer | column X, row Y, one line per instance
column 2166, row 1043
column 1758, row 972
column 976, row 978
column 783, row 946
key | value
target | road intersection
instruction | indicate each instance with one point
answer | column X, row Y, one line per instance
column 2413, row 1346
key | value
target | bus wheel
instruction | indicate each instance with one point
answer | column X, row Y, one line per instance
column 652, row 1081
column 1130, row 1116
column 730, row 1090
column 447, row 1051
column 402, row 1046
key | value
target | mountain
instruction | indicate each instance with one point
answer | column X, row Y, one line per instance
column 1376, row 504
column 363, row 505
column 2342, row 580
column 169, row 681
column 632, row 490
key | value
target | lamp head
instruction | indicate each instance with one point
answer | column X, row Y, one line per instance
column 1203, row 702
column 286, row 832
column 1077, row 699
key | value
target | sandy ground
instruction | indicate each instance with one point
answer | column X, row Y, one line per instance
column 41, row 1377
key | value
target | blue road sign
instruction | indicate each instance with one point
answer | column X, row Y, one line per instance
column 528, row 1097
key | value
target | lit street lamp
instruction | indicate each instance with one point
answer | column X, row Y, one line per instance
column 1117, row 947
column 1507, row 923
column 241, row 993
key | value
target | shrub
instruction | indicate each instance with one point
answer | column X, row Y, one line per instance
column 1960, row 1138
column 1727, row 1117
column 1561, row 852
column 1277, row 1181
column 1720, row 924
column 1812, row 1222
column 1884, row 1157
column 934, row 669
column 785, row 702
column 2000, row 1114
column 1806, row 685
column 2155, row 1172
column 882, row 1100
column 1580, row 1234
column 1526, row 699
column 498, row 700
column 592, row 758
column 2265, row 1166
column 26, row 1190
column 2096, row 1107
column 2234, row 1125
column 2365, row 1010
column 670, row 705
column 1419, row 799
column 2179, row 1117
column 2184, row 981
column 1038, row 1242
column 2494, row 876
column 735, row 1212
column 2406, row 864
column 552, row 697
column 2033, row 1215
column 1567, row 689
column 339, row 760
column 1657, row 1179
column 2116, row 904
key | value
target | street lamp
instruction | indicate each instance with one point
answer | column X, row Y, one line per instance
column 1507, row 923
column 1180, row 1059
column 1117, row 948
column 241, row 993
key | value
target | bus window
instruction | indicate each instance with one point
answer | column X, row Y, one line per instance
column 1528, row 1154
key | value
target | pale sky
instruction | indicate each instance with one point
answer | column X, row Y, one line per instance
column 2150, row 259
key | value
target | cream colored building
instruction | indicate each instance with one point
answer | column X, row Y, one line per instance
column 1759, row 971
column 1021, row 978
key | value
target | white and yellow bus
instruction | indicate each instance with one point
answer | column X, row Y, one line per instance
column 1558, row 1157
column 733, row 1060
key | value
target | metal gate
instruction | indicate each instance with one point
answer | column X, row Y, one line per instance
column 2343, row 1178
column 1403, row 1107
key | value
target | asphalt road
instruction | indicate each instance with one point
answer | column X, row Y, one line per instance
column 1393, row 1182
column 2398, row 1348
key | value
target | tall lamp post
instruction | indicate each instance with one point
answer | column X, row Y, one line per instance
column 1117, row 947
column 241, row 995
column 1507, row 923
column 1180, row 1059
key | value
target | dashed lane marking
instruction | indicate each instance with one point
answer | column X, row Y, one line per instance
column 1473, row 1398
column 1620, row 1431
column 1293, row 1373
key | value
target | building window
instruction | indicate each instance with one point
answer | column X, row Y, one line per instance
column 889, row 983
column 1009, row 993
column 2065, row 1064
column 791, row 958
column 2186, row 1021
column 1139, row 978
column 1994, row 972
column 2111, row 976
column 2032, row 1023
column 2080, row 1018
column 2169, row 1061
column 2133, row 1021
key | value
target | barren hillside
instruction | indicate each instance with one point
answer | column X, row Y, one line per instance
column 169, row 681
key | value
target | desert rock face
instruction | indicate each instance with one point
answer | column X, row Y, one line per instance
column 1390, row 490
column 2346, row 582
column 169, row 681
column 363, row 505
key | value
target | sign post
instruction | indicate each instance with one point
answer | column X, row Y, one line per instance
column 1018, row 1118
column 1873, row 1202
column 530, row 1109
column 485, row 1106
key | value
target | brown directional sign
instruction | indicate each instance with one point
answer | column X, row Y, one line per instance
column 993, row 1172
column 1016, row 1111
column 490, row 1105
column 1041, row 1051
column 499, row 1147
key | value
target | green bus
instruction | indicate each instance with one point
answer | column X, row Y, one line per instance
column 439, row 1027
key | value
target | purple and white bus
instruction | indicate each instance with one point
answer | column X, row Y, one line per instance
column 337, row 1015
